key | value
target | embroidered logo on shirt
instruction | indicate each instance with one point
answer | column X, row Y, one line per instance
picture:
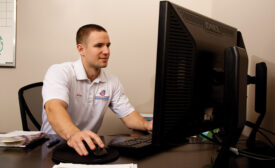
column 102, row 96
column 102, row 93
column 79, row 95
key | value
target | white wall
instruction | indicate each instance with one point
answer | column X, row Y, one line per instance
column 255, row 19
column 46, row 32
column 46, row 35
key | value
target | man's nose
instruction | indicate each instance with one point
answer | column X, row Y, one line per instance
column 106, row 50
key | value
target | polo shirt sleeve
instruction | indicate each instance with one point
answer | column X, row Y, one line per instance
column 55, row 84
column 120, row 103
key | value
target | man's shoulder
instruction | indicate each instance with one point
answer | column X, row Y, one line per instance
column 61, row 67
column 61, row 71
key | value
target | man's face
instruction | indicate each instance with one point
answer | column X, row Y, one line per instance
column 95, row 51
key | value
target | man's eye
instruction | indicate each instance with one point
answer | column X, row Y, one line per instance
column 99, row 45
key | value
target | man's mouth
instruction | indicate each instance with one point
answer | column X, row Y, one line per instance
column 104, row 59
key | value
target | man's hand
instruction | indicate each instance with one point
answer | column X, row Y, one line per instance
column 76, row 141
column 135, row 121
column 64, row 127
column 149, row 125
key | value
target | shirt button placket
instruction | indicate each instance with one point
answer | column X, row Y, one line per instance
column 91, row 95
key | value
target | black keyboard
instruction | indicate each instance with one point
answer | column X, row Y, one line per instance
column 135, row 143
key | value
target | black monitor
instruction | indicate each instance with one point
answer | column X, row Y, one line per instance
column 200, row 77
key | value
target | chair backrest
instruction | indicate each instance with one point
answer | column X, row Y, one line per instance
column 31, row 102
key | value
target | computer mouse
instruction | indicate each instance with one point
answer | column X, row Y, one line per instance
column 98, row 150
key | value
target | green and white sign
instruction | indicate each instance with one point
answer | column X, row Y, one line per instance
column 7, row 32
column 1, row 44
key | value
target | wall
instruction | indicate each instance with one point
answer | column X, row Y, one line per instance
column 46, row 32
column 46, row 35
column 255, row 19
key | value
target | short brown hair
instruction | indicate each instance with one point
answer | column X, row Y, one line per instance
column 84, row 31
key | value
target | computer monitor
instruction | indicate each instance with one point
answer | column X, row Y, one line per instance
column 200, row 77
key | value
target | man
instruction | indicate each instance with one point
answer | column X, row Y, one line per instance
column 77, row 94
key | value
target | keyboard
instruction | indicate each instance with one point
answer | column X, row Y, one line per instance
column 134, row 143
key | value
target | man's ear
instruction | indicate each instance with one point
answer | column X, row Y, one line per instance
column 80, row 49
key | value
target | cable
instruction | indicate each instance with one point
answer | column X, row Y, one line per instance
column 272, row 133
column 216, row 138
column 267, row 138
column 252, row 125
column 210, row 139
column 256, row 158
column 250, row 155
column 242, row 152
column 254, row 154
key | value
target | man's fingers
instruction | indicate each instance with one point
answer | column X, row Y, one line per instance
column 76, row 141
column 78, row 147
column 78, row 151
column 96, row 139
column 150, row 125
column 90, row 143
column 82, row 148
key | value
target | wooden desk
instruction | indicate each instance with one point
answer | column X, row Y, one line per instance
column 188, row 156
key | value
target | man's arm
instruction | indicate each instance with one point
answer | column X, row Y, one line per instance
column 135, row 121
column 63, row 125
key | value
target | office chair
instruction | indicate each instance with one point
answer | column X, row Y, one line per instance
column 30, row 102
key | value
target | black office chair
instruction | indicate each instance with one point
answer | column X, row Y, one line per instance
column 30, row 102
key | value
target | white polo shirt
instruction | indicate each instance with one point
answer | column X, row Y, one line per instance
column 87, row 101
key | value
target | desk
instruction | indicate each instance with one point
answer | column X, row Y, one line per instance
column 188, row 156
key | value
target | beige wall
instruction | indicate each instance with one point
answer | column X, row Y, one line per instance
column 46, row 32
column 255, row 19
column 45, row 36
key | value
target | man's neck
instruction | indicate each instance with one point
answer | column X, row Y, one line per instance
column 92, row 73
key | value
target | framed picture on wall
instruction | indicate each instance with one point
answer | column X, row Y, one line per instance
column 7, row 32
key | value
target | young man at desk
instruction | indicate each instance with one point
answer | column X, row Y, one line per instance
column 77, row 94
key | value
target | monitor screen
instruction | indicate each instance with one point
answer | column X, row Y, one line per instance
column 190, row 93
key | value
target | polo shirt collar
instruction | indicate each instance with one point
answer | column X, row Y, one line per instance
column 101, row 77
column 81, row 73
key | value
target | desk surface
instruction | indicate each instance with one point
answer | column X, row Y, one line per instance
column 188, row 155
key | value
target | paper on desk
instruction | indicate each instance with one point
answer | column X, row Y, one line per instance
column 19, row 138
column 148, row 117
column 70, row 165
